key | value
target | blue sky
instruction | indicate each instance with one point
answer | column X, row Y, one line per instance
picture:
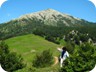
column 83, row 9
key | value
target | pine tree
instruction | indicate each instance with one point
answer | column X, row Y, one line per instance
column 82, row 60
column 10, row 61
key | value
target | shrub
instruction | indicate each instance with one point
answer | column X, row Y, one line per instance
column 82, row 60
column 10, row 61
column 32, row 69
column 70, row 47
column 44, row 59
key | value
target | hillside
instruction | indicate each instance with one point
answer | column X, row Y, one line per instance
column 44, row 22
column 33, row 33
column 28, row 46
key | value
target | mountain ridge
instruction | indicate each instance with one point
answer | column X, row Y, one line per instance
column 50, row 11
column 45, row 22
column 50, row 15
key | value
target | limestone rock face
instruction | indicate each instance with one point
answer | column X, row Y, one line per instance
column 51, row 17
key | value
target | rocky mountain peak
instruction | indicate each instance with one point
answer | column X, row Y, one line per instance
column 50, row 17
column 41, row 14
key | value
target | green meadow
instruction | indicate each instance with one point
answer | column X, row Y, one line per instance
column 30, row 45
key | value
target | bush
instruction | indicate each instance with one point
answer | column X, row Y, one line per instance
column 82, row 60
column 10, row 61
column 32, row 69
column 70, row 47
column 44, row 59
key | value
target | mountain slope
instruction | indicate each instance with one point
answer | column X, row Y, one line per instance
column 51, row 17
column 47, row 20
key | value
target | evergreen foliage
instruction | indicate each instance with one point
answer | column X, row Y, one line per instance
column 10, row 61
column 39, row 27
column 77, row 37
column 44, row 59
column 82, row 60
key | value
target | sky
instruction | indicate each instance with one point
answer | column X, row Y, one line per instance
column 82, row 9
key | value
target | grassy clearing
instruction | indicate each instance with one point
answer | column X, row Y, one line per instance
column 28, row 46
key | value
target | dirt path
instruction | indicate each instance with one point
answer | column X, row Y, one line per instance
column 55, row 61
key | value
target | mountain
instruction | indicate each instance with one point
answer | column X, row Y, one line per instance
column 51, row 25
column 43, row 20
column 50, row 17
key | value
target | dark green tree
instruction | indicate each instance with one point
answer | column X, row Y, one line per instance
column 82, row 60
column 10, row 61
column 44, row 59
column 77, row 37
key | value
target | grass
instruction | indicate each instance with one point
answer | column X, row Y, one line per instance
column 28, row 45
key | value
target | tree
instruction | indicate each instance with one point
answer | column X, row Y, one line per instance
column 82, row 60
column 44, row 59
column 10, row 61
column 77, row 37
